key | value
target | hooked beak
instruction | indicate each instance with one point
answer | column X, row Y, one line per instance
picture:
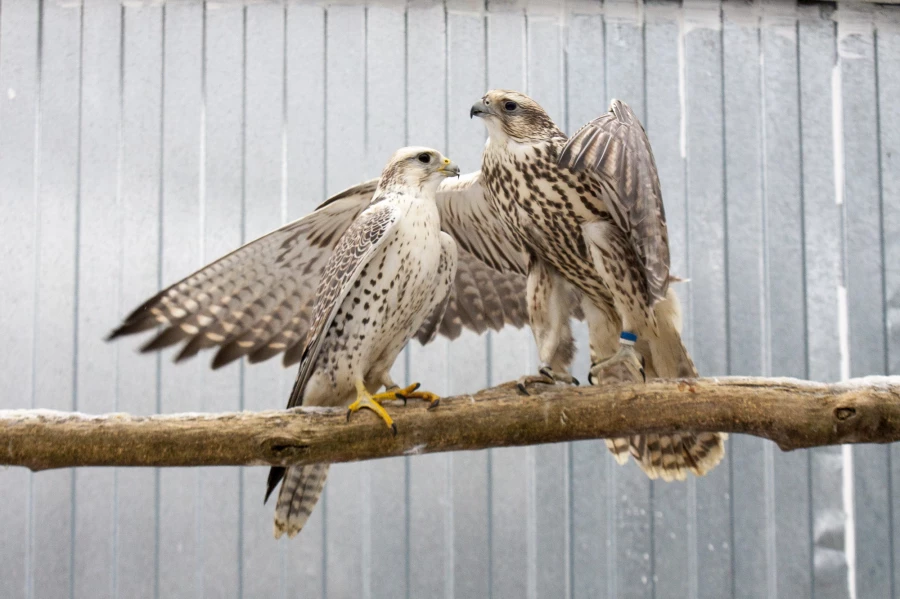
column 449, row 168
column 479, row 109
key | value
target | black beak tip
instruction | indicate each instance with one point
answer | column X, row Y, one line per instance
column 472, row 112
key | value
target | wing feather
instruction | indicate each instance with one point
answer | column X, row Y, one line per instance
column 351, row 255
column 258, row 300
column 615, row 151
column 260, row 293
column 469, row 217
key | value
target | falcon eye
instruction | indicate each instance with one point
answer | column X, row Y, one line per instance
column 510, row 106
column 424, row 158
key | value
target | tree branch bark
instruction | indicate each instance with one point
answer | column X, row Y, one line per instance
column 792, row 413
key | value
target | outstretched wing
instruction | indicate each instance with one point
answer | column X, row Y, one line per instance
column 614, row 150
column 350, row 256
column 257, row 301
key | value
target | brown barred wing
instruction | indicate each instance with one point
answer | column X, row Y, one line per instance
column 614, row 151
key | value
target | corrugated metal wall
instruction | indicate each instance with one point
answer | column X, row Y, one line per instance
column 139, row 141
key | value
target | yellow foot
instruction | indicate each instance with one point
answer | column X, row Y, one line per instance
column 364, row 399
column 411, row 393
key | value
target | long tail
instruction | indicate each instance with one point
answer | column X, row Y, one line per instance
column 298, row 496
column 669, row 457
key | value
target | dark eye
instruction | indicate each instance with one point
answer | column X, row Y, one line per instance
column 424, row 158
column 510, row 106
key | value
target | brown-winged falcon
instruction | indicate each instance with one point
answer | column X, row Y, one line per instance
column 588, row 213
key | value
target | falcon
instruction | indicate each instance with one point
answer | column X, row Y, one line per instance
column 588, row 214
column 389, row 271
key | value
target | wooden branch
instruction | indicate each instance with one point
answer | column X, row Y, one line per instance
column 793, row 413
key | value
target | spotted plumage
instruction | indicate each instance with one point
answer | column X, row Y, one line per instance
column 588, row 213
column 390, row 270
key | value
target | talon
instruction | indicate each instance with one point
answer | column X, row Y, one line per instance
column 364, row 399
column 545, row 371
column 575, row 382
column 434, row 404
column 626, row 365
column 521, row 387
column 411, row 393
column 394, row 428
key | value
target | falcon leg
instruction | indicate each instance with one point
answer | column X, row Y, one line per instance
column 549, row 307
column 614, row 260
column 364, row 399
column 626, row 365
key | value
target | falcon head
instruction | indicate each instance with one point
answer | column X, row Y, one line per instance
column 417, row 168
column 513, row 115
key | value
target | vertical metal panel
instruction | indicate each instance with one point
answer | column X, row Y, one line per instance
column 387, row 538
column 181, row 254
column 629, row 486
column 60, row 71
column 744, row 222
column 510, row 358
column 670, row 517
column 822, row 226
column 99, row 242
column 589, row 463
column 706, row 254
column 864, row 281
column 19, row 56
column 305, row 189
column 221, row 489
column 784, row 281
column 888, row 66
column 137, row 512
column 266, row 384
column 468, row 355
column 345, row 128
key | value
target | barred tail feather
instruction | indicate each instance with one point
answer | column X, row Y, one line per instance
column 298, row 496
column 670, row 457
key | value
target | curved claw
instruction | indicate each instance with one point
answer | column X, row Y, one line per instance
column 364, row 399
column 412, row 393
column 626, row 365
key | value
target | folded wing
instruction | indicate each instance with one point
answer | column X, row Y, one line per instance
column 615, row 151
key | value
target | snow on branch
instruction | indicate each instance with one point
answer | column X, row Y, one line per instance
column 792, row 413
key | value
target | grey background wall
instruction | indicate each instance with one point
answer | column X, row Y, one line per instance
column 140, row 140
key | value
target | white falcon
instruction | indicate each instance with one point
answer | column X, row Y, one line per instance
column 390, row 270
